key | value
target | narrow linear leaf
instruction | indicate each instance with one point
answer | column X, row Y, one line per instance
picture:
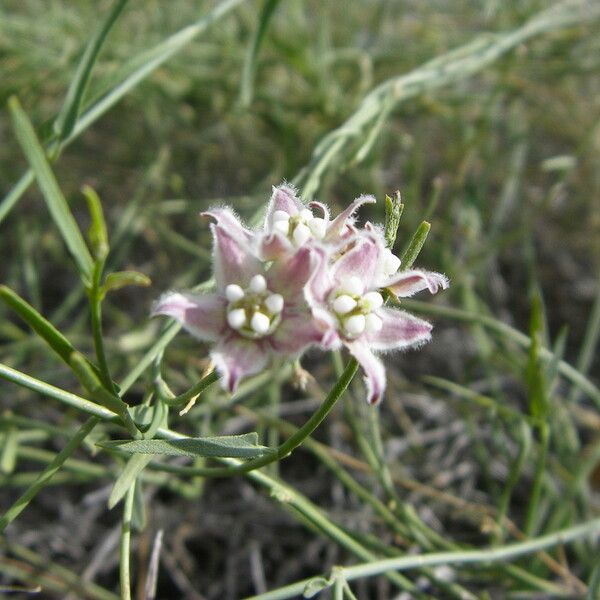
column 247, row 84
column 121, row 279
column 594, row 583
column 135, row 465
column 66, row 119
column 230, row 446
column 558, row 352
column 9, row 443
column 393, row 211
column 138, row 513
column 42, row 327
column 57, row 205
column 54, row 338
column 535, row 376
column 97, row 234
column 415, row 245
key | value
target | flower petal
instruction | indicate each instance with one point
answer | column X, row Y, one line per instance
column 374, row 370
column 233, row 260
column 236, row 357
column 296, row 332
column 322, row 207
column 274, row 245
column 360, row 261
column 337, row 225
column 399, row 330
column 226, row 218
column 283, row 198
column 288, row 277
column 407, row 283
column 320, row 282
column 203, row 315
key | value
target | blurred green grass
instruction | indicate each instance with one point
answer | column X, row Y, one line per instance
column 504, row 164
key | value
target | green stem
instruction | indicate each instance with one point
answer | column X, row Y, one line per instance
column 538, row 479
column 124, row 573
column 292, row 442
column 11, row 514
column 168, row 398
column 96, row 316
column 503, row 553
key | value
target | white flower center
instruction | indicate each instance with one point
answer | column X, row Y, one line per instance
column 253, row 312
column 300, row 227
column 355, row 309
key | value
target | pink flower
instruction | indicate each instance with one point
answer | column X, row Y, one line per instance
column 255, row 313
column 347, row 304
column 290, row 224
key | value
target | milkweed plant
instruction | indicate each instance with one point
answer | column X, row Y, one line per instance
column 302, row 280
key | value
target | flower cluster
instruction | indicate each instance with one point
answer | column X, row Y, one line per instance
column 303, row 279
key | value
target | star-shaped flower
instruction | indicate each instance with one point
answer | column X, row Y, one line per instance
column 256, row 313
column 345, row 296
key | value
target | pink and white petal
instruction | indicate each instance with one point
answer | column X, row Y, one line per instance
column 236, row 357
column 203, row 315
column 283, row 198
column 295, row 333
column 274, row 245
column 399, row 330
column 322, row 207
column 226, row 218
column 408, row 283
column 288, row 277
column 337, row 225
column 234, row 262
column 360, row 261
column 320, row 283
column 375, row 378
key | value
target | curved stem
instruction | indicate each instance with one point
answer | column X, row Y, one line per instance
column 291, row 443
column 168, row 398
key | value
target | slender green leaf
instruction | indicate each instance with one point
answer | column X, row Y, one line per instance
column 121, row 279
column 558, row 351
column 590, row 341
column 535, row 376
column 247, row 83
column 231, row 446
column 66, row 119
column 54, row 338
column 135, row 465
column 138, row 513
column 393, row 212
column 59, row 209
column 415, row 245
column 594, row 583
column 9, row 443
column 97, row 234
